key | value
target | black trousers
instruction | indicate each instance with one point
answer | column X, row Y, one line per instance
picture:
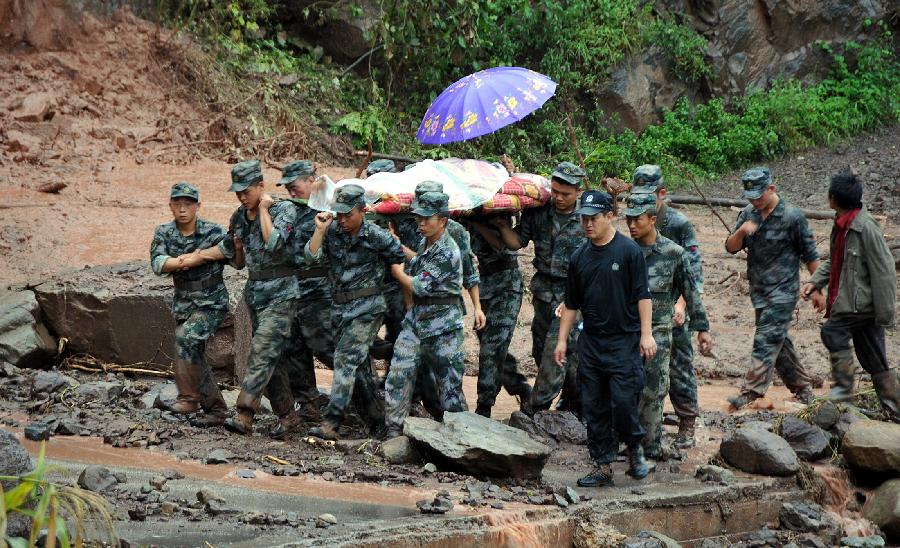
column 867, row 337
column 610, row 377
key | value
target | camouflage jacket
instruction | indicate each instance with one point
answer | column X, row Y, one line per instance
column 553, row 246
column 500, row 281
column 669, row 276
column 310, row 288
column 774, row 253
column 169, row 242
column 675, row 226
column 357, row 262
column 409, row 234
column 436, row 272
column 263, row 256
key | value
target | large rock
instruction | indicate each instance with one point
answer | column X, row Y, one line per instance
column 14, row 461
column 757, row 451
column 121, row 313
column 873, row 446
column 344, row 31
column 39, row 24
column 807, row 440
column 809, row 517
column 477, row 445
column 24, row 340
column 883, row 509
column 561, row 426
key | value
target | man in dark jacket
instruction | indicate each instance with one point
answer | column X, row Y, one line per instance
column 862, row 289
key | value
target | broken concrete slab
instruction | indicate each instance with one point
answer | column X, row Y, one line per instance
column 873, row 446
column 24, row 339
column 478, row 445
column 758, row 451
column 883, row 509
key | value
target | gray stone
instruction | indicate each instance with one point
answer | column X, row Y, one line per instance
column 477, row 445
column 161, row 396
column 245, row 473
column 218, row 456
column 398, row 450
column 560, row 500
column 429, row 468
column 24, row 339
column 648, row 539
column 759, row 452
column 561, row 426
column 807, row 517
column 572, row 495
column 840, row 428
column 96, row 478
column 100, row 391
column 440, row 505
column 715, row 474
column 328, row 518
column 883, row 509
column 807, row 440
column 205, row 495
column 51, row 381
column 873, row 541
column 37, row 431
column 825, row 415
column 217, row 508
column 873, row 446
column 14, row 461
column 158, row 483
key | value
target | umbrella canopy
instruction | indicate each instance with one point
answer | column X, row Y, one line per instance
column 482, row 103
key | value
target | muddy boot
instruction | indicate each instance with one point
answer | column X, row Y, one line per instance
column 483, row 409
column 637, row 464
column 684, row 439
column 601, row 475
column 288, row 419
column 739, row 402
column 805, row 396
column 887, row 386
column 211, row 401
column 242, row 422
column 187, row 378
column 842, row 376
column 328, row 430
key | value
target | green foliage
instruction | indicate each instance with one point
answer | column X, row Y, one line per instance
column 364, row 126
column 60, row 509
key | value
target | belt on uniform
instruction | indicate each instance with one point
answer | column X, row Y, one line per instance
column 486, row 269
column 198, row 285
column 315, row 272
column 271, row 274
column 344, row 297
column 455, row 300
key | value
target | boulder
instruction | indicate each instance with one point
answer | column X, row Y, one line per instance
column 714, row 474
column 873, row 446
column 563, row 426
column 50, row 381
column 840, row 428
column 807, row 440
column 24, row 340
column 96, row 478
column 883, row 509
column 343, row 31
column 398, row 450
column 121, row 313
column 757, row 451
column 36, row 107
column 100, row 391
column 825, row 415
column 14, row 461
column 37, row 431
column 477, row 445
column 808, row 517
column 161, row 396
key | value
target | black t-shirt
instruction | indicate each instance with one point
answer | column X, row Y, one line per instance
column 606, row 283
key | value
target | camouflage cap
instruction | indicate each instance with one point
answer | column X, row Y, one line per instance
column 185, row 190
column 347, row 197
column 430, row 203
column 244, row 175
column 756, row 181
column 429, row 186
column 568, row 173
column 294, row 170
column 646, row 179
column 381, row 166
column 593, row 202
column 638, row 204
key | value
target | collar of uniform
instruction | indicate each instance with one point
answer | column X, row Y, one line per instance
column 551, row 211
column 777, row 212
column 438, row 244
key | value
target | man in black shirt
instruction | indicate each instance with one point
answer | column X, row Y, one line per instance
column 607, row 282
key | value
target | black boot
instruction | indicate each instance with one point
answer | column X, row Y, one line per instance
column 483, row 409
column 637, row 465
column 887, row 386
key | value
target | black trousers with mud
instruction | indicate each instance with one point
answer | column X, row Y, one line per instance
column 867, row 337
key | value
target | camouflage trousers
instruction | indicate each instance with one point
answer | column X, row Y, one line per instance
column 441, row 356
column 773, row 351
column 656, row 386
column 394, row 312
column 191, row 335
column 266, row 373
column 353, row 368
column 496, row 366
column 311, row 337
column 682, row 379
column 551, row 379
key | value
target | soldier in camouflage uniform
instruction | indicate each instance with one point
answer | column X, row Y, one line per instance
column 312, row 331
column 432, row 335
column 265, row 227
column 200, row 303
column 777, row 238
column 357, row 251
column 556, row 232
column 670, row 279
column 675, row 226
column 501, row 298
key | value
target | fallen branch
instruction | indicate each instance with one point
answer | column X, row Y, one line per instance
column 728, row 202
column 90, row 364
column 693, row 181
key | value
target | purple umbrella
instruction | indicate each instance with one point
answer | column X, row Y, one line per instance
column 482, row 103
